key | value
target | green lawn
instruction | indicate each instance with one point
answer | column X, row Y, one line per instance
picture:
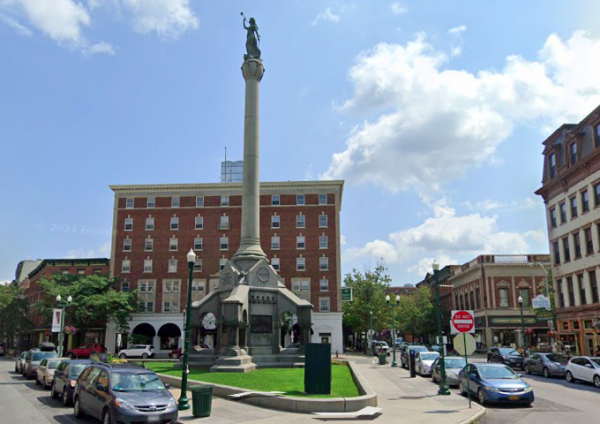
column 289, row 380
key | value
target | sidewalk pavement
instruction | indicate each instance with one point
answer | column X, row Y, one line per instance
column 405, row 399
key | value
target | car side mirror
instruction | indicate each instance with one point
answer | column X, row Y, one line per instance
column 167, row 386
column 101, row 387
column 473, row 377
column 520, row 375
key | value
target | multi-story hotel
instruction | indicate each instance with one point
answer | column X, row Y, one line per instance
column 155, row 226
column 571, row 192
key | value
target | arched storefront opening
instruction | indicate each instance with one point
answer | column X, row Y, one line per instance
column 169, row 334
column 142, row 334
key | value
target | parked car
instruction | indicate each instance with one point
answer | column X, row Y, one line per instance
column 494, row 383
column 85, row 351
column 453, row 366
column 584, row 368
column 404, row 356
column 32, row 361
column 2, row 349
column 20, row 361
column 424, row 361
column 505, row 355
column 547, row 364
column 45, row 371
column 175, row 353
column 123, row 393
column 143, row 351
column 380, row 347
column 65, row 376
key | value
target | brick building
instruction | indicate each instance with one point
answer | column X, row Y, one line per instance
column 31, row 288
column 571, row 192
column 490, row 285
column 154, row 226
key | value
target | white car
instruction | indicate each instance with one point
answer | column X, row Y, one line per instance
column 143, row 351
column 424, row 361
column 45, row 371
column 584, row 368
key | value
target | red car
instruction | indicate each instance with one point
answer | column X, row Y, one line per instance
column 85, row 351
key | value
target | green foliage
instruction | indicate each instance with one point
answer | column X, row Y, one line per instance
column 416, row 314
column 368, row 289
column 139, row 339
column 13, row 313
column 95, row 301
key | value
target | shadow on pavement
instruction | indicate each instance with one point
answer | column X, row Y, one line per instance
column 361, row 417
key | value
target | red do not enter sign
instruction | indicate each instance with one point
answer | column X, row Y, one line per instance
column 463, row 322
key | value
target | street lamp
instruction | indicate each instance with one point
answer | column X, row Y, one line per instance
column 443, row 390
column 61, row 335
column 370, row 335
column 520, row 300
column 387, row 301
column 184, row 402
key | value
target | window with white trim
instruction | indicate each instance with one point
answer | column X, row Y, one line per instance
column 129, row 203
column 223, row 222
column 322, row 199
column 148, row 245
column 275, row 244
column 323, row 221
column 300, row 199
column 324, row 285
column 300, row 242
column 171, row 307
column 145, row 307
column 275, row 200
column 173, row 244
column 324, row 263
column 324, row 305
column 128, row 224
column 126, row 265
column 146, row 286
column 300, row 264
column 150, row 202
column 275, row 221
column 125, row 286
column 199, row 201
column 198, row 243
column 174, row 223
column 149, row 224
column 197, row 286
column 224, row 200
column 300, row 221
column 222, row 262
column 198, row 265
column 172, row 265
column 127, row 245
column 199, row 223
column 323, row 242
column 171, row 286
column 174, row 202
column 299, row 285
column 275, row 263
column 147, row 265
column 224, row 243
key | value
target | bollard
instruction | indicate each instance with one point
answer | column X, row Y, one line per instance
column 411, row 364
column 336, row 354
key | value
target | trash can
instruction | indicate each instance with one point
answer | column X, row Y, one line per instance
column 201, row 400
column 382, row 358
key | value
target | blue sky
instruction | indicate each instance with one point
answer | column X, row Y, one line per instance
column 433, row 112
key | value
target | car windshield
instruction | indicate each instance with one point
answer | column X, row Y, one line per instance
column 596, row 361
column 38, row 356
column 455, row 362
column 501, row 373
column 419, row 349
column 428, row 356
column 508, row 351
column 53, row 364
column 134, row 382
column 76, row 369
column 557, row 358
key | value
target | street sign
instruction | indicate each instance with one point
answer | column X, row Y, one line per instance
column 464, row 344
column 347, row 294
column 56, row 320
column 462, row 322
column 541, row 301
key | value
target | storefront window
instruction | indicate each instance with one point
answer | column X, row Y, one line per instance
column 575, row 325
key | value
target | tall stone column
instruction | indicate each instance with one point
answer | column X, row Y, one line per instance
column 253, row 71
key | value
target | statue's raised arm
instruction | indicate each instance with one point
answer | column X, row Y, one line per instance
column 252, row 39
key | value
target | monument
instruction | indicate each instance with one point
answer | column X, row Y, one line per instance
column 244, row 315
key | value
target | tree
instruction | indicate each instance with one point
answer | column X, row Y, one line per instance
column 95, row 301
column 13, row 313
column 416, row 314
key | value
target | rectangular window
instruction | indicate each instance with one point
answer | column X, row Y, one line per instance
column 224, row 243
column 224, row 200
column 560, row 295
column 199, row 201
column 323, row 242
column 146, row 306
column 275, row 201
column 300, row 221
column 571, row 291
column 148, row 245
column 594, row 286
column 577, row 244
column 198, row 223
column 322, row 199
column 300, row 264
column 174, row 202
column 585, row 201
column 127, row 245
column 552, row 164
column 524, row 293
column 300, row 199
column 275, row 244
column 128, row 203
column 275, row 221
column 581, row 288
column 174, row 223
column 222, row 262
column 172, row 265
column 597, row 195
column 126, row 265
column 323, row 263
column 198, row 287
column 275, row 263
column 324, row 285
column 198, row 265
column 324, row 305
column 553, row 217
column 128, row 224
column 171, row 286
column 147, row 286
column 589, row 243
column 566, row 249
column 149, row 224
column 198, row 243
column 150, row 202
column 573, row 153
column 147, row 265
column 477, row 299
column 503, row 295
column 573, row 202
column 173, row 244
column 171, row 307
column 563, row 212
column 323, row 221
column 167, row 307
column 299, row 285
column 300, row 242
column 224, row 222
column 556, row 250
column 125, row 286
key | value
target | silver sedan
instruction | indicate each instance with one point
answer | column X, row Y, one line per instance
column 453, row 366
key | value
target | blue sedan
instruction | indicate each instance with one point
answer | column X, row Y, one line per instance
column 494, row 383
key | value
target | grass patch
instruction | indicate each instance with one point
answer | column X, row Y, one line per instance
column 288, row 380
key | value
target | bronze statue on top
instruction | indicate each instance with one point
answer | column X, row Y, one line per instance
column 252, row 39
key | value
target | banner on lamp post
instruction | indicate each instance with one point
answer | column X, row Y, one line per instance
column 56, row 319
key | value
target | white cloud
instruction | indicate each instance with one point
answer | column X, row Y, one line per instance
column 457, row 30
column 101, row 47
column 377, row 249
column 398, row 9
column 166, row 18
column 101, row 252
column 423, row 265
column 20, row 29
column 342, row 240
column 326, row 15
column 424, row 109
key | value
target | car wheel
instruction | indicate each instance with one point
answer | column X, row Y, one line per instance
column 65, row 397
column 53, row 393
column 570, row 377
column 71, row 355
column 527, row 370
column 106, row 417
column 597, row 381
column 77, row 412
column 546, row 373
column 144, row 356
column 122, row 356
column 461, row 389
column 481, row 397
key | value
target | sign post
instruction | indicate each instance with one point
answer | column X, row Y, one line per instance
column 464, row 322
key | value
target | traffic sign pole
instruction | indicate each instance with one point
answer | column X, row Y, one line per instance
column 467, row 363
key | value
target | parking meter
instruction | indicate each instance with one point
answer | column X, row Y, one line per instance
column 411, row 363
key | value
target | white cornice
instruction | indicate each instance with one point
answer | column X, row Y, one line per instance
column 227, row 186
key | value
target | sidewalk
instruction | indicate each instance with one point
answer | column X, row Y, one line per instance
column 405, row 399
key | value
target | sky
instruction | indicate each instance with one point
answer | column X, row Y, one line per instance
column 433, row 113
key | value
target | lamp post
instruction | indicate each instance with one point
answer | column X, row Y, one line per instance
column 520, row 300
column 387, row 301
column 443, row 390
column 61, row 334
column 184, row 402
column 370, row 335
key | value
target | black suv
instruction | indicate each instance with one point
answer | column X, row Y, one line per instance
column 505, row 355
column 65, row 376
column 123, row 393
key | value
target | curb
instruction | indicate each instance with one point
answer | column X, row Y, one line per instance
column 475, row 417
